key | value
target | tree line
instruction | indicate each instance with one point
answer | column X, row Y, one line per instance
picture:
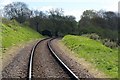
column 101, row 22
column 55, row 23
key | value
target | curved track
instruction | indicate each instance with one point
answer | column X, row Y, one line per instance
column 45, row 64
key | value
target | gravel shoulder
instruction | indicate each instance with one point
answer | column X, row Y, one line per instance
column 79, row 66
column 15, row 60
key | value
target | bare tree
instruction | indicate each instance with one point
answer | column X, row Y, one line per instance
column 18, row 11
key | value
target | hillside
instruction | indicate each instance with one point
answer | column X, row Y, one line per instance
column 14, row 33
column 104, row 58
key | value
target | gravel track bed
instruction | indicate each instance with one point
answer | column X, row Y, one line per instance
column 44, row 64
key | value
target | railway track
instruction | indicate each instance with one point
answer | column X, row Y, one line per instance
column 46, row 61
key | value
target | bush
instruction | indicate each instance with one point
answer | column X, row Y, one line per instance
column 106, row 42
column 94, row 36
column 109, row 43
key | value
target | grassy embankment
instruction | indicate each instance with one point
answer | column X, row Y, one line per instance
column 14, row 33
column 104, row 58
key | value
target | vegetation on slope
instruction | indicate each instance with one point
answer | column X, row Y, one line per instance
column 14, row 33
column 104, row 58
column 104, row 41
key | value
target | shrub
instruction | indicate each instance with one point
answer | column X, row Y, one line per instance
column 94, row 36
column 106, row 42
column 109, row 43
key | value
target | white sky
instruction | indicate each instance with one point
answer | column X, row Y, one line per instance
column 70, row 7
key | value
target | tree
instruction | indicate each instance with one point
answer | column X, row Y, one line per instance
column 56, row 18
column 111, row 19
column 18, row 11
column 87, row 16
column 104, row 23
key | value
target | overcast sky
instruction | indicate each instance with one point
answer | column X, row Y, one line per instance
column 70, row 7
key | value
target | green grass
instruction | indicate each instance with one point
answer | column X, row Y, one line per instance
column 104, row 58
column 14, row 33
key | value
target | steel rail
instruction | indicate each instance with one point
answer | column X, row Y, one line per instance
column 62, row 63
column 55, row 55
column 31, row 59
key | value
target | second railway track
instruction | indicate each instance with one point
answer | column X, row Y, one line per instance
column 45, row 64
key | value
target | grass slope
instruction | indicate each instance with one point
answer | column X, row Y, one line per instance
column 14, row 33
column 104, row 58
